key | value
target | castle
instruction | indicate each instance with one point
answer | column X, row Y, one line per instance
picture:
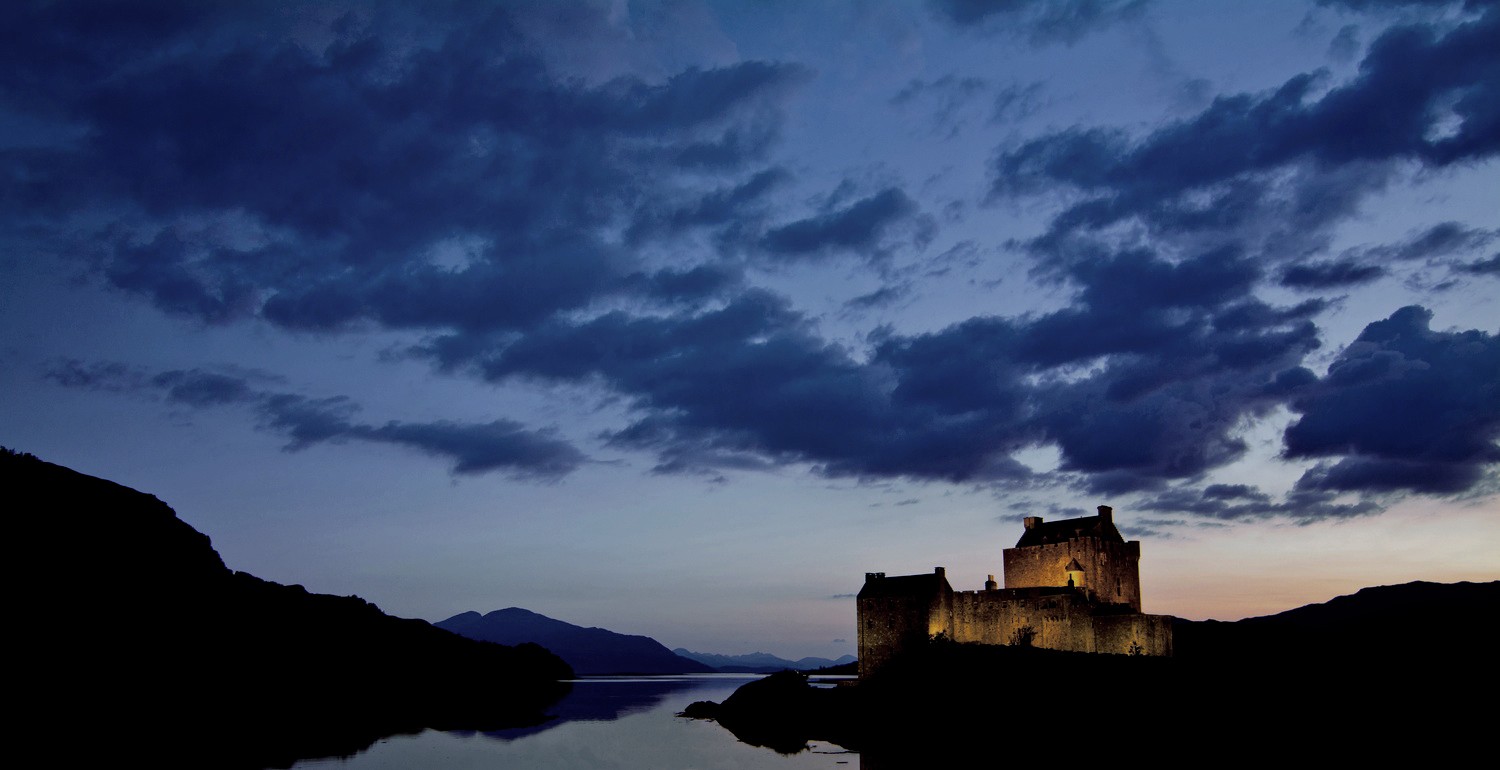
column 1073, row 585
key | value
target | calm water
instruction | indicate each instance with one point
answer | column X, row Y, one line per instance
column 624, row 723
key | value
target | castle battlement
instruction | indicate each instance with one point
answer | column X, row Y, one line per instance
column 1072, row 584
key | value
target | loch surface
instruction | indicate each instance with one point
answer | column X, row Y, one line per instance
column 606, row 722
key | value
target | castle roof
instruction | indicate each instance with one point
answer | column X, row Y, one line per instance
column 927, row 584
column 1049, row 532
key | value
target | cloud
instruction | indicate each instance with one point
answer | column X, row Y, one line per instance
column 1328, row 275
column 1271, row 173
column 1441, row 240
column 1380, row 5
column 98, row 375
column 860, row 227
column 949, row 98
column 502, row 446
column 407, row 169
column 1180, row 356
column 881, row 297
column 1345, row 44
column 199, row 388
column 412, row 168
column 1403, row 408
column 1490, row 266
column 738, row 207
column 1248, row 503
column 1039, row 21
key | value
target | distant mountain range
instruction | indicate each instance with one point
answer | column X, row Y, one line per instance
column 590, row 651
column 759, row 662
column 135, row 639
column 599, row 651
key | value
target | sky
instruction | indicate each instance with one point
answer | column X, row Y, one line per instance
column 677, row 317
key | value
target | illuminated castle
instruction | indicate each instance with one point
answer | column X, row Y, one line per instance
column 1073, row 585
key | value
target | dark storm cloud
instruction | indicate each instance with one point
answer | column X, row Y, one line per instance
column 1403, row 408
column 685, row 286
column 1178, row 351
column 1246, row 502
column 1441, row 240
column 1328, row 275
column 740, row 206
column 1189, row 356
column 199, row 388
column 502, row 446
column 1040, row 21
column 749, row 384
column 861, row 228
column 349, row 178
column 1273, row 172
column 409, row 168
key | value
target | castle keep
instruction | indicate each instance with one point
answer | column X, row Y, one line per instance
column 1073, row 585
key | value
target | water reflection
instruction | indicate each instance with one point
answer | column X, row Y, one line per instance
column 604, row 723
column 603, row 699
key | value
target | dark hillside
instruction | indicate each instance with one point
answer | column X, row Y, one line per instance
column 1378, row 622
column 134, row 633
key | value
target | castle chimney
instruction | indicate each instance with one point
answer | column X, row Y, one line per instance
column 941, row 572
column 1107, row 514
column 991, row 585
column 1032, row 521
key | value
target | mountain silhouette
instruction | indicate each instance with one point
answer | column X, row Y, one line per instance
column 760, row 662
column 1371, row 623
column 136, row 639
column 590, row 651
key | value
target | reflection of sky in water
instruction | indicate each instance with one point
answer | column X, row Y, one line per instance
column 621, row 723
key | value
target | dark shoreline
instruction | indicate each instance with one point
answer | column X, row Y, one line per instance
column 964, row 704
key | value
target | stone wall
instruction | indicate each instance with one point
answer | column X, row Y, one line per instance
column 1133, row 634
column 1048, row 617
column 1055, row 619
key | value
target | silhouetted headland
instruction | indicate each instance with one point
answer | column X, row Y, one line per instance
column 137, row 641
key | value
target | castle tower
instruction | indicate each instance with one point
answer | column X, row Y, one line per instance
column 1087, row 553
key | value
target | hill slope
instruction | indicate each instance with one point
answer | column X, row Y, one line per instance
column 135, row 631
column 1371, row 623
column 590, row 651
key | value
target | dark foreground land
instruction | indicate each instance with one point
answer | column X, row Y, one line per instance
column 1364, row 678
column 136, row 641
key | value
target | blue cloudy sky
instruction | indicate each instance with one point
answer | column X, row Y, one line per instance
column 678, row 317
